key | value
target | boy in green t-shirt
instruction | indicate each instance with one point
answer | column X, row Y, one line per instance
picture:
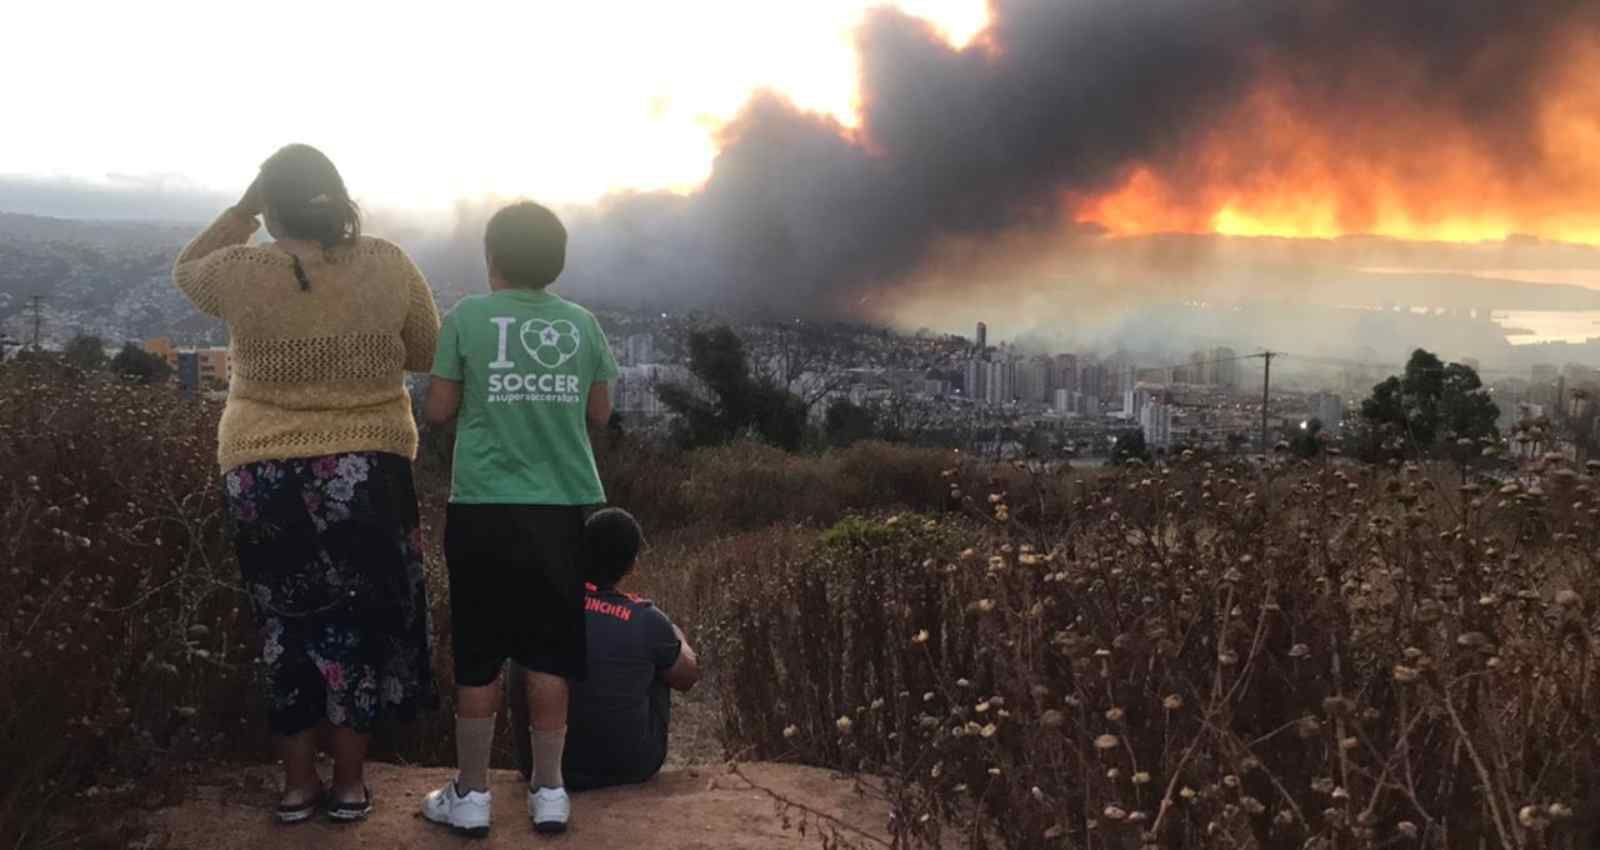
column 523, row 372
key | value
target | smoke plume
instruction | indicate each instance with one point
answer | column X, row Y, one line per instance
column 1068, row 120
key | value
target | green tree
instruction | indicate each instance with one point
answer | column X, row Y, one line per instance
column 136, row 364
column 1130, row 446
column 1308, row 443
column 86, row 352
column 847, row 422
column 738, row 403
column 1414, row 413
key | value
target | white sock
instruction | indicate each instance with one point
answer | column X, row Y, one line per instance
column 548, row 746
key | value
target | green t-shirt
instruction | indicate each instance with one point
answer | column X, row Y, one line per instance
column 526, row 360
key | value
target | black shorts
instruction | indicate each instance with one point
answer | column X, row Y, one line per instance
column 516, row 590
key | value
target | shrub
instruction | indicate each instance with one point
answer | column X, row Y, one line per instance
column 124, row 644
column 128, row 656
column 1361, row 659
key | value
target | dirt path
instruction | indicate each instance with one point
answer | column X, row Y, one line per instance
column 684, row 809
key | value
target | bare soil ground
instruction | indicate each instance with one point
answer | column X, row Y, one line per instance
column 706, row 808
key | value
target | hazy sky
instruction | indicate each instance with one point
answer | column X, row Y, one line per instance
column 561, row 100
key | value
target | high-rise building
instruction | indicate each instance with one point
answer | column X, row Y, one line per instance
column 1033, row 380
column 983, row 336
column 1156, row 422
column 1092, row 380
column 975, row 383
column 1064, row 372
column 1137, row 399
column 1126, row 378
column 1224, row 368
column 1001, row 384
column 635, row 390
column 639, row 349
column 214, row 365
column 1061, row 401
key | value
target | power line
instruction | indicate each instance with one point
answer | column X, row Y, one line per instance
column 1189, row 363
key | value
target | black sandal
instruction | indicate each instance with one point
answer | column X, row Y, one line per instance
column 302, row 811
column 348, row 812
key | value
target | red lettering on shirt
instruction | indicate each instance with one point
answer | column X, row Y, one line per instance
column 610, row 609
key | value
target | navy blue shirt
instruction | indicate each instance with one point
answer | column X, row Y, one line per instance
column 617, row 721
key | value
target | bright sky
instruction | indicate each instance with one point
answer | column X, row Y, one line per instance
column 558, row 100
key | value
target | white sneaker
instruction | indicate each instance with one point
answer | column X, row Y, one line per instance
column 550, row 808
column 466, row 814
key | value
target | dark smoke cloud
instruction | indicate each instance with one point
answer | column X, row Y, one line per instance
column 969, row 159
column 1055, row 102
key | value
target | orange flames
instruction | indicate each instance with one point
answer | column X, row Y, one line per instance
column 1398, row 169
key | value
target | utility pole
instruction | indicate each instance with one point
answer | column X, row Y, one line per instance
column 35, row 306
column 1266, row 384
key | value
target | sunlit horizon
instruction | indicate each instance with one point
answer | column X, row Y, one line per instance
column 565, row 102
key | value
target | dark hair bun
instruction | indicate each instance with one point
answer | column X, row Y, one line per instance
column 306, row 197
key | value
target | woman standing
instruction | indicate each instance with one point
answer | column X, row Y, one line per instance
column 315, row 445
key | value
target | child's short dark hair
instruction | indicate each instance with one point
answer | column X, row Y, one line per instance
column 613, row 538
column 526, row 245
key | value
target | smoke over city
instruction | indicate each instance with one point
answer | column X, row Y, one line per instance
column 1067, row 122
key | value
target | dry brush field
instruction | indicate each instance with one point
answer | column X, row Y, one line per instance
column 1341, row 656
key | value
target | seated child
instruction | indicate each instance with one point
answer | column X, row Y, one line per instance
column 617, row 725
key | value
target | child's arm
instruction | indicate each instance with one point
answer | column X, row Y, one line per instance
column 444, row 401
column 444, row 387
column 685, row 672
column 420, row 334
column 605, row 371
column 599, row 404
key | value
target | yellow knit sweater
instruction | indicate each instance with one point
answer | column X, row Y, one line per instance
column 319, row 371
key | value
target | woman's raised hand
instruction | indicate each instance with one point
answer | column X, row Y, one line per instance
column 250, row 202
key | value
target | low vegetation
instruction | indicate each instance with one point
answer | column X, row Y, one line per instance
column 1351, row 656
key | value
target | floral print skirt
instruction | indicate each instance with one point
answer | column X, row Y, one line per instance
column 331, row 552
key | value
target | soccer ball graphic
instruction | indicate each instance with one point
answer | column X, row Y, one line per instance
column 550, row 343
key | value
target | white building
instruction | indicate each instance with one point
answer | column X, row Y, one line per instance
column 636, row 388
column 639, row 349
column 1156, row 422
column 1001, row 382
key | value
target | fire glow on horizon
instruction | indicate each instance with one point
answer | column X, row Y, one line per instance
column 1384, row 169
